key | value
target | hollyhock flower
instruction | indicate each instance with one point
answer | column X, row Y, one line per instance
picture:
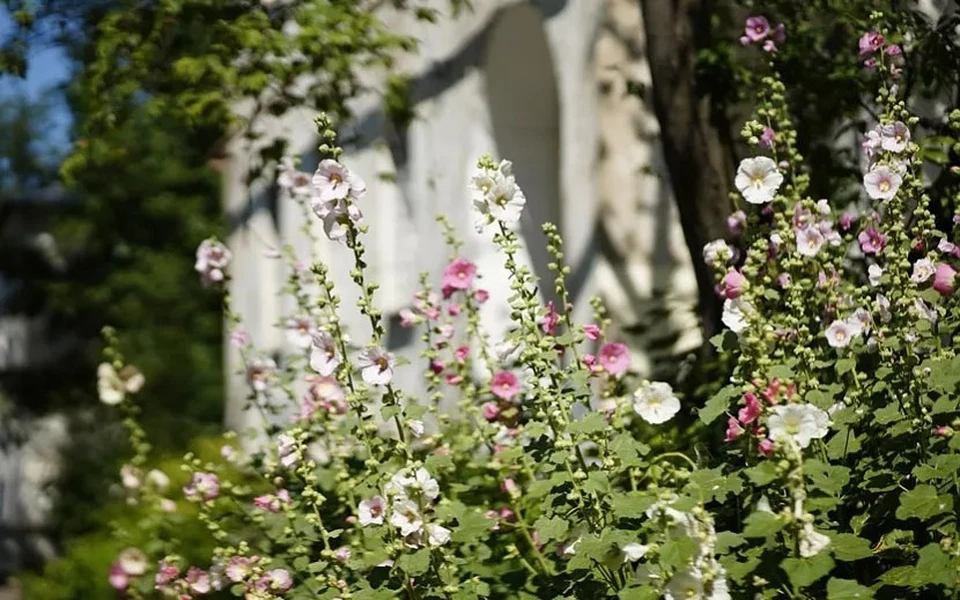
column 735, row 314
column 846, row 221
column 882, row 183
column 591, row 332
column 946, row 246
column 405, row 516
column 453, row 379
column 550, row 320
column 757, row 28
column 166, row 573
column 118, row 578
column 812, row 542
column 505, row 385
column 371, row 512
column 408, row 318
column 944, row 279
column 490, row 411
column 758, row 179
column 840, row 333
column 779, row 34
column 416, row 428
column 272, row 502
column 751, row 409
column 157, row 480
column 228, row 453
column 203, row 486
column 437, row 535
column 260, row 373
column 784, row 280
column 765, row 447
column 327, row 393
column 461, row 353
column 338, row 219
column 287, row 450
column 198, row 580
column 459, row 274
column 717, row 252
column 342, row 554
column 769, row 46
column 799, row 423
column 615, row 358
column 871, row 240
column 734, row 430
column 870, row 63
column 860, row 321
column 733, row 284
column 894, row 50
column 239, row 338
column 874, row 273
column 376, row 366
column 333, row 181
column 809, row 241
column 655, row 402
column 113, row 387
column 300, row 331
column 768, row 137
column 869, row 43
column 894, row 137
column 497, row 197
column 453, row 309
column 923, row 270
column 871, row 143
column 212, row 259
column 291, row 180
column 417, row 484
column 279, row 580
column 132, row 561
column 446, row 331
column 883, row 308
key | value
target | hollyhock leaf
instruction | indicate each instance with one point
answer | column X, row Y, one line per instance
column 717, row 405
column 630, row 505
column 471, row 527
column 761, row 524
column 629, row 450
column 842, row 443
column 803, row 572
column 847, row 589
column 553, row 528
column 845, row 365
column 943, row 466
column 944, row 373
column 714, row 484
column 827, row 478
column 597, row 482
column 887, row 414
column 416, row 563
column 741, row 566
column 763, row 473
column 849, row 547
column 923, row 502
column 780, row 372
column 592, row 423
column 727, row 540
column 677, row 552
column 436, row 463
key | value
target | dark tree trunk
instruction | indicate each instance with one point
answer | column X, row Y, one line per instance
column 699, row 165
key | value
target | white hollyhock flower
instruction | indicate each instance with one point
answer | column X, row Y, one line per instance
column 717, row 252
column 758, row 179
column 133, row 562
column 417, row 484
column 437, row 535
column 924, row 311
column 293, row 181
column 634, row 552
column 333, row 181
column 800, row 423
column 212, row 260
column 735, row 314
column 405, row 516
column 323, row 354
column 840, row 333
column 685, row 585
column 655, row 402
column 158, row 480
column 923, row 270
column 113, row 387
column 874, row 273
column 370, row 512
column 287, row 450
column 376, row 366
column 496, row 196
column 882, row 183
column 812, row 541
column 416, row 428
column 300, row 331
column 894, row 137
column 809, row 241
column 883, row 308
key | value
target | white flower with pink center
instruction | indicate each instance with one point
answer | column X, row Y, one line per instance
column 758, row 179
column 376, row 366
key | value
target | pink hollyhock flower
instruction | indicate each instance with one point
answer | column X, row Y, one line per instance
column 335, row 182
column 870, row 63
column 454, row 309
column 300, row 331
column 894, row 50
column 946, row 246
column 550, row 320
column 942, row 431
column 509, row 486
column 871, row 240
column 733, row 430
column 239, row 338
column 591, row 332
column 198, row 580
column 408, row 318
column 212, row 260
column 733, row 284
column 846, row 221
column 765, row 447
column 490, row 411
column 869, row 43
column 118, row 578
column 342, row 554
column 505, row 385
column 446, row 331
column 769, row 46
column 287, row 450
column 882, row 183
column 481, row 296
column 291, row 180
column 327, row 393
column 923, row 270
column 809, row 241
column 615, row 358
column 437, row 366
column 376, row 366
column 756, row 28
column 751, row 409
column 461, row 354
column 260, row 373
column 454, row 379
column 202, row 486
column 272, row 502
column 323, row 354
column 779, row 33
column 459, row 274
column 767, row 137
column 166, row 573
column 894, row 137
column 279, row 580
column 944, row 279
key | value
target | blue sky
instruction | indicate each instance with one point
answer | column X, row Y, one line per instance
column 47, row 68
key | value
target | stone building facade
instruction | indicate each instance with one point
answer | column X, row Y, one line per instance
column 544, row 83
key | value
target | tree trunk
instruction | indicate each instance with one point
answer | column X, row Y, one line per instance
column 693, row 139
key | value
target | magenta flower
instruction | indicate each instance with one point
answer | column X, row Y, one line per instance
column 490, row 411
column 408, row 318
column 202, row 486
column 273, row 503
column 733, row 284
column 481, row 296
column 591, row 331
column 751, row 409
column 768, row 137
column 550, row 320
column 765, row 447
column 869, row 43
column 459, row 274
column 944, row 279
column 846, row 221
column 756, row 28
column 733, row 430
column 871, row 240
column 505, row 385
column 461, row 354
column 279, row 580
column 615, row 358
column 166, row 574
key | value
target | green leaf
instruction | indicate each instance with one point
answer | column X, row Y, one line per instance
column 591, row 423
column 416, row 563
column 847, row 589
column 714, row 484
column 942, row 466
column 944, row 373
column 845, row 365
column 631, row 505
column 727, row 540
column 551, row 529
column 806, row 571
column 762, row 524
column 923, row 502
column 848, row 547
column 887, row 414
column 678, row 552
column 718, row 404
column 628, row 450
column 763, row 473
